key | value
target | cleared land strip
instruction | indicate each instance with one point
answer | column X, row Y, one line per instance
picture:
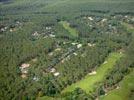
column 72, row 31
column 126, row 87
column 88, row 83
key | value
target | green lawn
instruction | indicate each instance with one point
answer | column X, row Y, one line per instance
column 129, row 27
column 45, row 98
column 49, row 98
column 123, row 93
column 88, row 83
column 72, row 31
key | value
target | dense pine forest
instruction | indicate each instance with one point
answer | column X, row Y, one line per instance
column 66, row 49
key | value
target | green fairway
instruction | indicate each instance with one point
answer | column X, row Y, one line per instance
column 88, row 83
column 45, row 98
column 72, row 31
column 124, row 92
column 128, row 27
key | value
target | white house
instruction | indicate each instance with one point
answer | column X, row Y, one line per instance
column 56, row 74
column 90, row 18
column 51, row 35
column 93, row 73
column 75, row 54
column 79, row 45
column 74, row 43
column 52, row 70
column 23, row 66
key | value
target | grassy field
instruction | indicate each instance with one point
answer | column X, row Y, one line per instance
column 123, row 93
column 88, row 83
column 45, row 98
column 72, row 31
column 129, row 27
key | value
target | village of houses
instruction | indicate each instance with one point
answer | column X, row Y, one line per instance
column 72, row 50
